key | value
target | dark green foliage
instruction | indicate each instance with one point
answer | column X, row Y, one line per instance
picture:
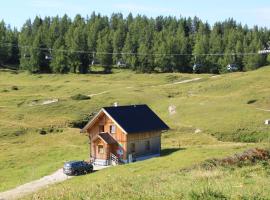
column 42, row 132
column 254, row 197
column 14, row 87
column 252, row 101
column 8, row 41
column 165, row 44
column 104, row 45
column 248, row 157
column 243, row 135
column 45, row 131
column 207, row 193
column 80, row 123
column 80, row 97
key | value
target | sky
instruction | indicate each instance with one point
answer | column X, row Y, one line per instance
column 250, row 12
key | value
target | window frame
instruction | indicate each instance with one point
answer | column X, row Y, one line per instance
column 101, row 127
column 114, row 131
column 101, row 147
column 132, row 147
column 147, row 145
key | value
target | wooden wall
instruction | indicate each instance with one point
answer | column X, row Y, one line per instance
column 119, row 135
column 140, row 140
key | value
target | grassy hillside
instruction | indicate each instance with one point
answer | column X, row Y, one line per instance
column 164, row 178
column 227, row 107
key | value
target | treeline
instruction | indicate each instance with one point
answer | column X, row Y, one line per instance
column 9, row 52
column 164, row 44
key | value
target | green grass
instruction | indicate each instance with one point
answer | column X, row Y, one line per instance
column 163, row 178
column 31, row 156
column 220, row 107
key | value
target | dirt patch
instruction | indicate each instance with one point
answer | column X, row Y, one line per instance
column 266, row 110
column 43, row 102
column 215, row 76
column 46, row 102
column 197, row 130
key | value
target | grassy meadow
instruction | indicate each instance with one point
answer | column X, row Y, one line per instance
column 226, row 111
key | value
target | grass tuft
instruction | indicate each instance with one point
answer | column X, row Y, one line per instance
column 80, row 97
column 207, row 193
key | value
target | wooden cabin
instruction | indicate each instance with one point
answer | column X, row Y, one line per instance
column 124, row 134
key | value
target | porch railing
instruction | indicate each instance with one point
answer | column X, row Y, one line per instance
column 114, row 159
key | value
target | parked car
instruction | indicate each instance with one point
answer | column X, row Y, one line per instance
column 199, row 68
column 77, row 168
column 232, row 68
column 121, row 64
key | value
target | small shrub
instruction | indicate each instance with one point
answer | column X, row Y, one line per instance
column 4, row 90
column 254, row 197
column 19, row 132
column 250, row 156
column 52, row 129
column 14, row 87
column 42, row 132
column 80, row 123
column 172, row 94
column 252, row 101
column 80, row 97
column 20, row 103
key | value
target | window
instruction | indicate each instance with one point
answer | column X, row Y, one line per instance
column 100, row 149
column 147, row 145
column 132, row 148
column 112, row 128
column 101, row 128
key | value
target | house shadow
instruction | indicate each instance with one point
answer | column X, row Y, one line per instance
column 168, row 151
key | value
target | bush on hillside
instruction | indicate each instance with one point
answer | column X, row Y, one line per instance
column 14, row 87
column 80, row 123
column 45, row 131
column 252, row 101
column 250, row 156
column 246, row 134
column 80, row 97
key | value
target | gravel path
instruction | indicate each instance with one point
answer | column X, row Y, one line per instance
column 179, row 82
column 263, row 109
column 97, row 94
column 34, row 186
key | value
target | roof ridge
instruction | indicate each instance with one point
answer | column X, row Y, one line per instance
column 131, row 105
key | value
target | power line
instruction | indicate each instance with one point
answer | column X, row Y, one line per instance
column 132, row 53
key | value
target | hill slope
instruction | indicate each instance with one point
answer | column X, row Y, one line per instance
column 228, row 107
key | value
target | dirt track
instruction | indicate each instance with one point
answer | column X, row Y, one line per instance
column 34, row 186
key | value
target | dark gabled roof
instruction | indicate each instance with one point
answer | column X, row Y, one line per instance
column 107, row 138
column 136, row 118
